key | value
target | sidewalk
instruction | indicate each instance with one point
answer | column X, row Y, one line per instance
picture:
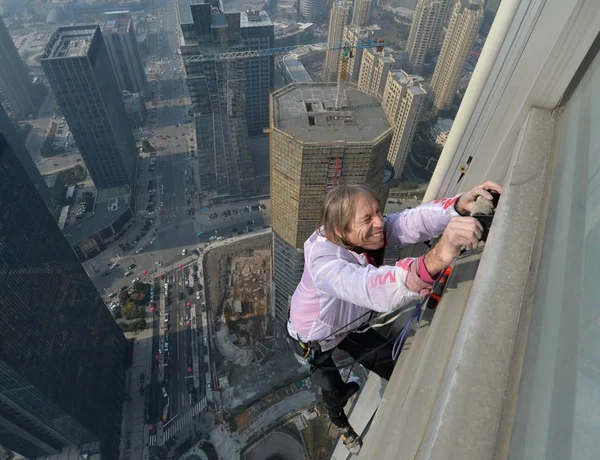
column 134, row 427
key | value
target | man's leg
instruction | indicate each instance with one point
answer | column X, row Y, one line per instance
column 360, row 345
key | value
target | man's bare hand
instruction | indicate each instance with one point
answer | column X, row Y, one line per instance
column 464, row 205
column 461, row 233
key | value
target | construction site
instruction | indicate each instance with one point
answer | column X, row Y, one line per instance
column 249, row 361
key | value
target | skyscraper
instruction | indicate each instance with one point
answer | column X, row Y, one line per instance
column 425, row 29
column 120, row 40
column 403, row 101
column 78, row 68
column 228, row 97
column 462, row 32
column 312, row 10
column 373, row 73
column 349, row 67
column 62, row 355
column 313, row 148
column 257, row 32
column 21, row 152
column 338, row 19
column 361, row 13
column 15, row 83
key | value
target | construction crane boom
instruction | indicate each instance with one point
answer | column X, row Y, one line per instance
column 282, row 50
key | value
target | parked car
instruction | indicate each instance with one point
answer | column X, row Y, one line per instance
column 164, row 391
column 128, row 273
column 131, row 267
column 184, row 252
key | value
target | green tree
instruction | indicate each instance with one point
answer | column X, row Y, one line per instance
column 146, row 146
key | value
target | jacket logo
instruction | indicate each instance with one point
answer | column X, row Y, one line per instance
column 446, row 202
column 382, row 279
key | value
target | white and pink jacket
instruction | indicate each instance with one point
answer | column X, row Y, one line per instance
column 339, row 286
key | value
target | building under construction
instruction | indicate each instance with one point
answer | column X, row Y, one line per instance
column 229, row 98
column 315, row 146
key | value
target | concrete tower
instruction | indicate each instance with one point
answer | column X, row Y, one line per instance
column 462, row 32
column 425, row 29
column 403, row 101
column 373, row 72
column 338, row 19
column 361, row 14
column 313, row 148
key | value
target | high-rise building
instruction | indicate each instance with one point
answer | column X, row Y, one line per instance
column 121, row 42
column 21, row 152
column 428, row 20
column 404, row 99
column 312, row 10
column 15, row 84
column 361, row 13
column 78, row 68
column 462, row 32
column 373, row 72
column 62, row 355
column 313, row 148
column 229, row 96
column 489, row 13
column 338, row 19
column 349, row 66
column 257, row 32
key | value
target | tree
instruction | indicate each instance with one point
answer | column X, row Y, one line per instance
column 147, row 147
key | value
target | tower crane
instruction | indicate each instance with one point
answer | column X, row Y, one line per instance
column 347, row 51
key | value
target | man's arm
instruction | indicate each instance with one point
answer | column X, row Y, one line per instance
column 425, row 222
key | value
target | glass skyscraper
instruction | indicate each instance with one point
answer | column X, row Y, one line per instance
column 62, row 355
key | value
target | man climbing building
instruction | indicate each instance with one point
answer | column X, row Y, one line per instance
column 344, row 281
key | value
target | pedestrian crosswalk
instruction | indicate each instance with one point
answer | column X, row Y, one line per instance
column 175, row 425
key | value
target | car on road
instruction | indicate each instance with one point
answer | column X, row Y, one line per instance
column 112, row 295
column 153, row 240
column 105, row 274
column 135, row 280
column 123, row 288
column 184, row 252
column 132, row 266
column 164, row 391
column 128, row 273
column 113, row 266
column 138, row 250
column 166, row 317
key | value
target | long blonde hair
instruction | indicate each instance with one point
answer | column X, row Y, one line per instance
column 339, row 208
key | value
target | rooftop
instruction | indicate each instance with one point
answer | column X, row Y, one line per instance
column 101, row 217
column 295, row 68
column 307, row 112
column 185, row 12
column 252, row 18
column 116, row 26
column 70, row 41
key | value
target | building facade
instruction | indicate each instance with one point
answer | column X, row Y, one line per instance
column 462, row 32
column 373, row 73
column 15, row 84
column 315, row 147
column 257, row 32
column 338, row 19
column 62, row 355
column 427, row 23
column 311, row 10
column 225, row 95
column 19, row 149
column 404, row 100
column 121, row 42
column 78, row 68
column 361, row 13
